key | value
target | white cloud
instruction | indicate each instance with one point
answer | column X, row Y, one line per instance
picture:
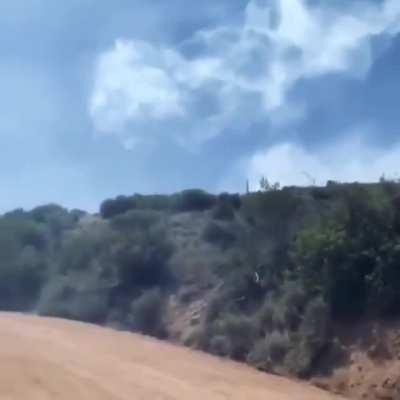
column 139, row 87
column 348, row 161
column 133, row 82
column 323, row 40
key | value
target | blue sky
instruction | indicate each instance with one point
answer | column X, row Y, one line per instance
column 105, row 98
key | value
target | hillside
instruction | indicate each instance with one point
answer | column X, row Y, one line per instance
column 300, row 282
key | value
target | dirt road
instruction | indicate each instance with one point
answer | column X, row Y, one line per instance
column 54, row 359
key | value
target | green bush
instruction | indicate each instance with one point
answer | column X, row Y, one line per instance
column 293, row 300
column 135, row 220
column 143, row 261
column 193, row 200
column 351, row 259
column 44, row 214
column 299, row 360
column 223, row 211
column 259, row 356
column 383, row 284
column 216, row 234
column 239, row 332
column 155, row 202
column 278, row 345
column 270, row 352
column 21, row 280
column 315, row 323
column 267, row 317
column 220, row 345
column 243, row 290
column 320, row 193
column 216, row 306
column 60, row 298
column 311, row 339
column 120, row 205
column 282, row 310
column 23, row 265
column 271, row 209
column 77, row 214
column 85, row 247
column 54, row 218
column 233, row 200
column 147, row 314
column 22, row 230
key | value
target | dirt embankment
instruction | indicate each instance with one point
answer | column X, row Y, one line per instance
column 372, row 369
column 43, row 358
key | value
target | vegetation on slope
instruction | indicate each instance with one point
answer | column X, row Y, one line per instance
column 269, row 274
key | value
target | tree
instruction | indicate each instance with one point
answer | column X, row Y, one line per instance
column 266, row 186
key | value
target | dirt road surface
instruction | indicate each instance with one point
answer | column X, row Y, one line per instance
column 43, row 358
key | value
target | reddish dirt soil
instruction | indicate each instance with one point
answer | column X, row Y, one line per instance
column 43, row 358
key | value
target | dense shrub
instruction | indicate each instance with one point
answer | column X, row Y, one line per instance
column 315, row 323
column 54, row 218
column 274, row 216
column 135, row 220
column 155, row 202
column 141, row 251
column 44, row 214
column 352, row 260
column 193, row 200
column 112, row 207
column 223, row 211
column 60, row 298
column 85, row 247
column 77, row 214
column 283, row 309
column 243, row 289
column 233, row 200
column 238, row 332
column 120, row 205
column 216, row 234
column 320, row 193
column 292, row 300
column 271, row 207
column 20, row 229
column 143, row 263
column 259, row 356
column 277, row 345
column 147, row 314
column 220, row 345
column 21, row 280
column 23, row 263
column 269, row 353
column 268, row 317
column 312, row 338
column 53, row 215
column 383, row 284
column 216, row 306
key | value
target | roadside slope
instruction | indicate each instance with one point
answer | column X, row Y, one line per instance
column 43, row 358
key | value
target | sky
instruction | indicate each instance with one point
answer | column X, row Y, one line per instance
column 101, row 98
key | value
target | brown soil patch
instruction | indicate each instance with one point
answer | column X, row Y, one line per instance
column 43, row 358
